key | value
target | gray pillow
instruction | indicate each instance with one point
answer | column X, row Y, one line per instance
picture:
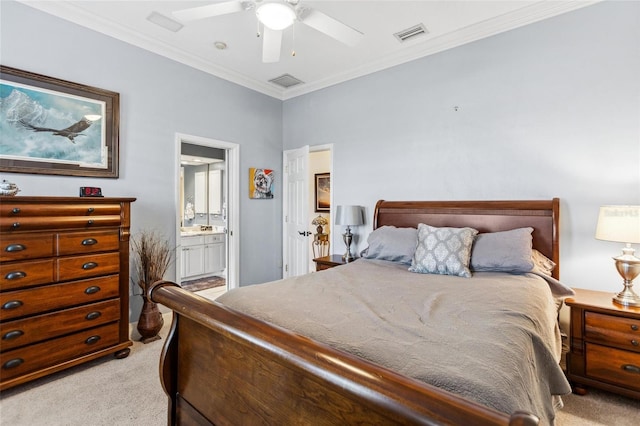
column 391, row 243
column 443, row 251
column 506, row 251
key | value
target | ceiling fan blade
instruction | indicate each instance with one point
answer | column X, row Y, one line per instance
column 209, row 10
column 271, row 45
column 331, row 27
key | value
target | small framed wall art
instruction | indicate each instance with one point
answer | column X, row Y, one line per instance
column 323, row 192
column 261, row 183
column 57, row 127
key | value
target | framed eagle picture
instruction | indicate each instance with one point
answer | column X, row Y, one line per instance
column 52, row 126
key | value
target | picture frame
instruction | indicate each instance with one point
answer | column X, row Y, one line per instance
column 57, row 127
column 323, row 192
column 261, row 182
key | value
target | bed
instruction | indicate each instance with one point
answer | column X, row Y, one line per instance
column 230, row 363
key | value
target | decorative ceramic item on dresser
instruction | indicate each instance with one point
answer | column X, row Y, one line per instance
column 152, row 257
column 64, row 283
column 8, row 188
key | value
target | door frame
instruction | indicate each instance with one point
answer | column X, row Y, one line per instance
column 232, row 161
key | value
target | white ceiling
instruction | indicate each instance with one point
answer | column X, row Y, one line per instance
column 320, row 61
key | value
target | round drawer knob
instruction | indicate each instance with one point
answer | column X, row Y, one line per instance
column 634, row 327
column 15, row 210
column 634, row 342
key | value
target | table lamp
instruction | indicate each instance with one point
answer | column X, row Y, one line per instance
column 349, row 216
column 319, row 222
column 622, row 224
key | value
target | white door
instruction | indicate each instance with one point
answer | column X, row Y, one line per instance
column 296, row 214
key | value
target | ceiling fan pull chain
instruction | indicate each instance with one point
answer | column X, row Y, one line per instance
column 293, row 39
column 257, row 28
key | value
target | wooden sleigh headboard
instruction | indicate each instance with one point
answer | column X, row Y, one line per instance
column 485, row 216
column 223, row 367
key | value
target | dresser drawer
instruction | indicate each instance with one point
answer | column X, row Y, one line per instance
column 41, row 355
column 14, row 334
column 16, row 209
column 613, row 366
column 26, row 246
column 88, row 266
column 612, row 330
column 9, row 225
column 88, row 242
column 26, row 274
column 37, row 300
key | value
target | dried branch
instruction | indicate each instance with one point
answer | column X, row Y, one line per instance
column 152, row 257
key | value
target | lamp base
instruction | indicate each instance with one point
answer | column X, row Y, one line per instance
column 627, row 297
column 628, row 267
column 348, row 257
column 347, row 237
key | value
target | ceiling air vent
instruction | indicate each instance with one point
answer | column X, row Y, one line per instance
column 286, row 81
column 410, row 33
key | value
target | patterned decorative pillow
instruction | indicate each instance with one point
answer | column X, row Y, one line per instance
column 444, row 251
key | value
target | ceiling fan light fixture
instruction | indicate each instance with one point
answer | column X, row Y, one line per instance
column 276, row 16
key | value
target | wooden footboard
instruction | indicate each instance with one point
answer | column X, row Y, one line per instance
column 222, row 367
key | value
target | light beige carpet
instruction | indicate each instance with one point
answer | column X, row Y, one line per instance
column 127, row 392
column 104, row 392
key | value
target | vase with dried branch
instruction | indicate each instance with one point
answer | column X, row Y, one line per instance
column 152, row 258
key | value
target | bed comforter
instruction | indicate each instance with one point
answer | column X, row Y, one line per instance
column 492, row 338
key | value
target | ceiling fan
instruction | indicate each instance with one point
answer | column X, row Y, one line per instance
column 276, row 16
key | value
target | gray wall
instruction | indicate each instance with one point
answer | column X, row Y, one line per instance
column 547, row 110
column 158, row 97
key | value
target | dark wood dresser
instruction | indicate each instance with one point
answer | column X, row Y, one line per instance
column 604, row 344
column 64, row 283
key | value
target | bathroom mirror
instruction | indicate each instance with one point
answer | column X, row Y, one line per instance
column 201, row 192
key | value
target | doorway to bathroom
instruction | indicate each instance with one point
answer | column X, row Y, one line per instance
column 206, row 214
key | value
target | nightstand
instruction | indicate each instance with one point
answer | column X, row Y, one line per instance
column 330, row 261
column 604, row 344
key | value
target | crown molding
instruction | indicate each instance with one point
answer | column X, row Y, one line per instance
column 528, row 15
column 69, row 12
column 521, row 17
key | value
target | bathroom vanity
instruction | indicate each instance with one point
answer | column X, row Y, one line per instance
column 202, row 252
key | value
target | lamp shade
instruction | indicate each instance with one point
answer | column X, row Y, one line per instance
column 619, row 223
column 349, row 215
column 320, row 221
